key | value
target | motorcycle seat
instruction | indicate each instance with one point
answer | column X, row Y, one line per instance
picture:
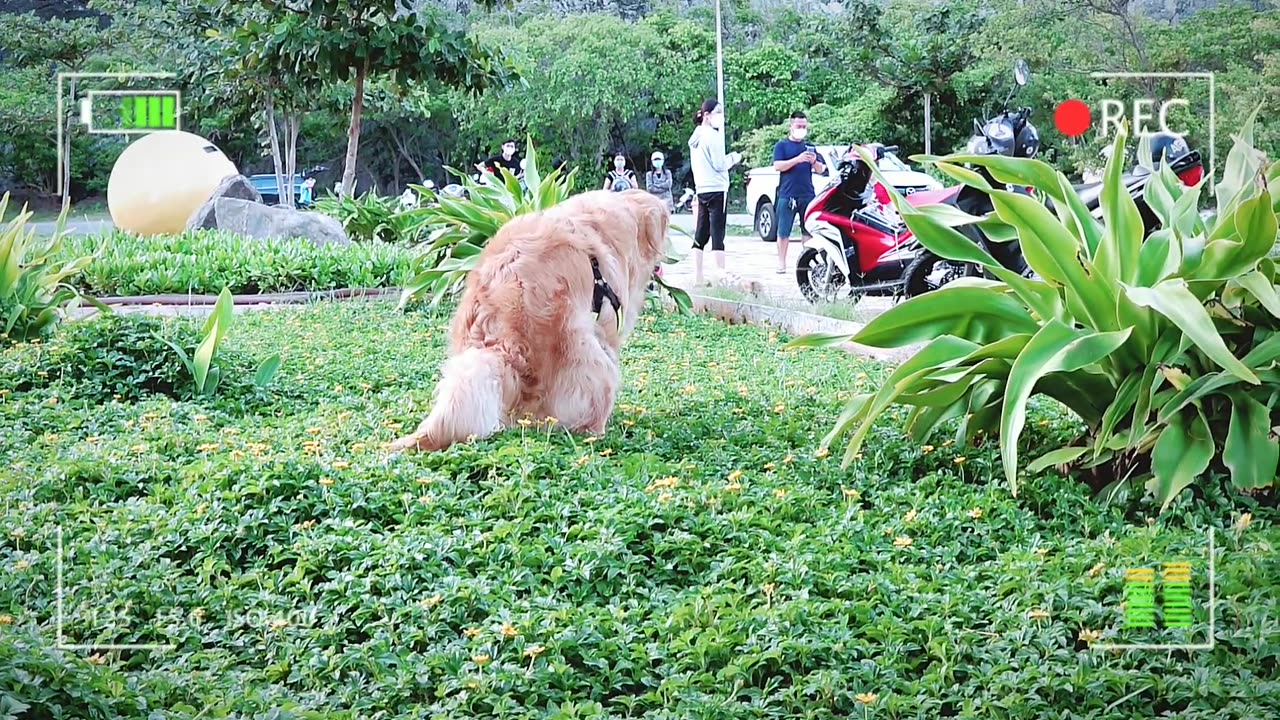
column 1091, row 193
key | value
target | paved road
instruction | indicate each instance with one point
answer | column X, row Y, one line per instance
column 80, row 226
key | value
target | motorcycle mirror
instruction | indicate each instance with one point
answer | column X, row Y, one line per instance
column 1021, row 72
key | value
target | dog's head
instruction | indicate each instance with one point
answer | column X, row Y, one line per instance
column 652, row 220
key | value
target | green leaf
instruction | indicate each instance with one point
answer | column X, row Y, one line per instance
column 1174, row 300
column 1117, row 256
column 1055, row 348
column 1251, row 453
column 973, row 313
column 1053, row 458
column 1180, row 455
column 1261, row 287
column 266, row 371
column 820, row 340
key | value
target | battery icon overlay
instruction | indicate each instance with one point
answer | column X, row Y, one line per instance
column 126, row 112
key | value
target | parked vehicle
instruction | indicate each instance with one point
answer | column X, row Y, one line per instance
column 860, row 249
column 685, row 203
column 762, row 184
column 303, row 187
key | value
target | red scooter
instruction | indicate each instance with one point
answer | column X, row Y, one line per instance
column 859, row 245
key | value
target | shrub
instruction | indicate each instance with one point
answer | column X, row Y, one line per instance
column 33, row 288
column 205, row 261
column 373, row 218
column 1166, row 349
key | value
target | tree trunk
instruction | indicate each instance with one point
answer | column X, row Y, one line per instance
column 291, row 124
column 66, row 149
column 275, row 148
column 404, row 151
column 353, row 132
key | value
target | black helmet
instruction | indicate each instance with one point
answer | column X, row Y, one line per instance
column 1170, row 146
column 1027, row 144
column 877, row 151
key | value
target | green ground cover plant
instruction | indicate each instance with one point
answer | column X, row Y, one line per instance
column 203, row 262
column 702, row 559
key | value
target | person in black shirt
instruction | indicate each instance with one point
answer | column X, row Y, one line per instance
column 507, row 159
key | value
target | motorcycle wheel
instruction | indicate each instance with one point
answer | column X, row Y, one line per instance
column 930, row 272
column 816, row 284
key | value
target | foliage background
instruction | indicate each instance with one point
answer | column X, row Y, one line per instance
column 598, row 78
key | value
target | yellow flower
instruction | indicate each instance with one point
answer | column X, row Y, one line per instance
column 424, row 480
column 780, row 493
column 866, row 698
column 1038, row 614
column 357, row 447
column 959, row 460
column 1042, row 552
column 344, row 415
column 472, row 632
column 910, row 516
column 770, row 465
column 96, row 659
column 18, row 532
column 201, row 508
column 534, row 651
column 606, row 452
column 481, row 659
column 326, row 481
column 733, row 487
column 664, row 496
column 1090, row 636
column 426, row 499
column 667, row 482
column 850, row 493
column 690, row 389
column 589, row 440
column 339, row 389
column 1093, row 571
column 1244, row 521
column 53, row 400
column 279, row 624
column 779, row 408
column 138, row 449
column 975, row 513
column 6, row 619
column 200, row 418
column 524, row 422
column 735, row 476
column 821, row 453
column 509, row 630
column 628, row 422
column 208, row 447
column 237, row 454
column 584, row 460
column 743, row 391
column 769, row 589
column 550, row 420
column 341, row 465
column 313, row 431
column 21, row 565
column 789, row 459
column 902, row 541
column 948, row 443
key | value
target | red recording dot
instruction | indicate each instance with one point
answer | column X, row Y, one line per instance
column 1071, row 117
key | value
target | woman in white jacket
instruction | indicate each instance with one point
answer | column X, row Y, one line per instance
column 711, row 182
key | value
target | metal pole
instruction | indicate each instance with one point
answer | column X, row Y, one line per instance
column 928, row 123
column 719, row 58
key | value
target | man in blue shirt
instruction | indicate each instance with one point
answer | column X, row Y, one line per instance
column 796, row 161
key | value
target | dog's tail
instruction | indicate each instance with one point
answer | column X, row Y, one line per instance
column 476, row 389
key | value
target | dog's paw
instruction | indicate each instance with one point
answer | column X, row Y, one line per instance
column 408, row 442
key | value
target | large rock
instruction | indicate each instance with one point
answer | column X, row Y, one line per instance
column 256, row 220
column 232, row 186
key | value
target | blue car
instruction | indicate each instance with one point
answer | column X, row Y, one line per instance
column 266, row 186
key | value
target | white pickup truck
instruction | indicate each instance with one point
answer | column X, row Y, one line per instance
column 762, row 185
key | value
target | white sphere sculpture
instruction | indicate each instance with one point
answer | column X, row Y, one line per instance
column 161, row 179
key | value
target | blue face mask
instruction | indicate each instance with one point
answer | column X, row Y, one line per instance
column 657, row 164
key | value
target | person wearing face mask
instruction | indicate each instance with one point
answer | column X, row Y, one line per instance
column 711, row 181
column 658, row 181
column 796, row 161
column 620, row 178
column 507, row 159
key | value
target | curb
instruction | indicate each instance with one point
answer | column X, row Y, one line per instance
column 288, row 298
column 795, row 322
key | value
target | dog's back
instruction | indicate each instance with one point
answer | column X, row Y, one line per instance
column 525, row 335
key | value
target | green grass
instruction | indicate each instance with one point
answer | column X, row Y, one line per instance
column 739, row 231
column 205, row 261
column 700, row 560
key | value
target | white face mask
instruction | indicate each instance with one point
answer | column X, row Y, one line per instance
column 799, row 133
column 619, row 164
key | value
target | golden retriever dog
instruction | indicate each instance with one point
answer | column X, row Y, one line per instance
column 537, row 331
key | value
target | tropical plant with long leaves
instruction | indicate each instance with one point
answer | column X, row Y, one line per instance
column 34, row 288
column 202, row 363
column 1167, row 349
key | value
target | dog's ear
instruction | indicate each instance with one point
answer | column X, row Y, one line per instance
column 653, row 221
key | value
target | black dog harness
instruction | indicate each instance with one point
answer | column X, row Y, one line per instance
column 603, row 292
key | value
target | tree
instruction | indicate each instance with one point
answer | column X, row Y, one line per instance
column 67, row 45
column 350, row 40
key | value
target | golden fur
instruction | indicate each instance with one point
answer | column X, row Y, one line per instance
column 524, row 340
